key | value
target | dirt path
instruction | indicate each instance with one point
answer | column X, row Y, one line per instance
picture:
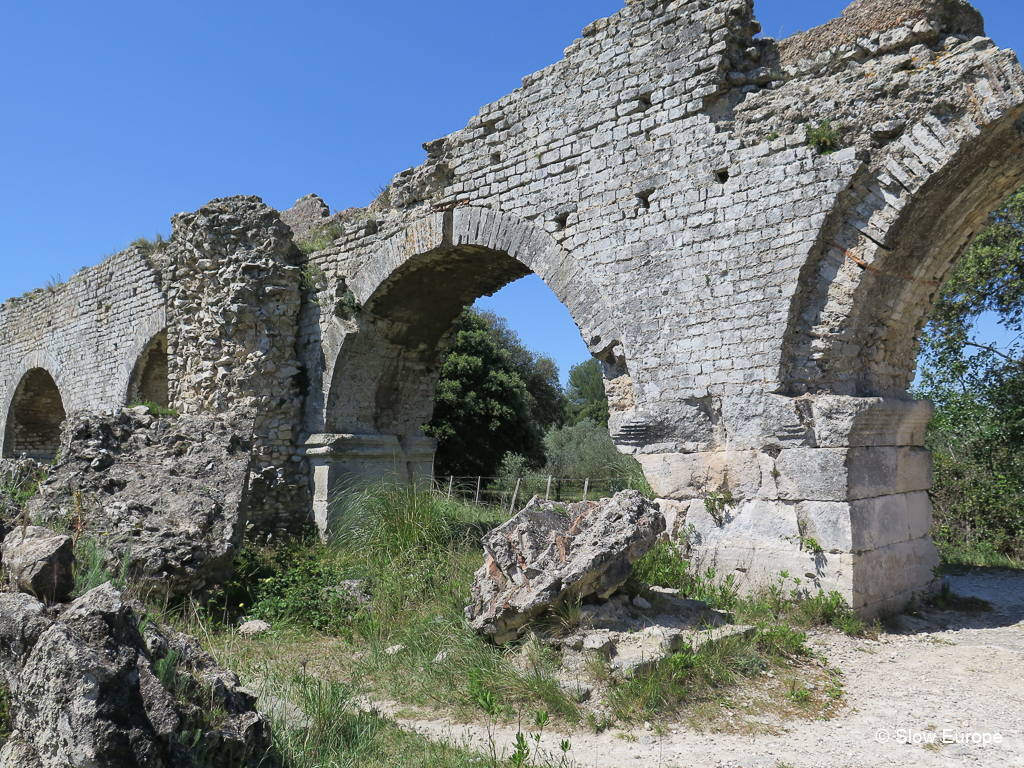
column 947, row 677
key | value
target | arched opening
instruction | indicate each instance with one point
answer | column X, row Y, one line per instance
column 385, row 371
column 863, row 302
column 149, row 379
column 36, row 414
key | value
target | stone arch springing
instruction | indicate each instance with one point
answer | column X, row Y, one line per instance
column 149, row 383
column 34, row 418
column 906, row 221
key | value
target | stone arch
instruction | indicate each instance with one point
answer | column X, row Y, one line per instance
column 890, row 246
column 383, row 370
column 35, row 412
column 148, row 382
column 149, row 331
column 412, row 294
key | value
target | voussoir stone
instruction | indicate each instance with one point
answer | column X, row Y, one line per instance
column 550, row 552
column 40, row 562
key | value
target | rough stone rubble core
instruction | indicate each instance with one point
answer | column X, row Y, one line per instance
column 756, row 304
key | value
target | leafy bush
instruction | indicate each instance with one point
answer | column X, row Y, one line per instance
column 585, row 449
column 977, row 434
column 293, row 584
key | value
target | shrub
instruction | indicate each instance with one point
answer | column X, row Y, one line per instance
column 149, row 247
column 824, row 137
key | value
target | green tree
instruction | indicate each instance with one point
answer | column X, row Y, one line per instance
column 583, row 450
column 977, row 433
column 494, row 396
column 545, row 401
column 585, row 393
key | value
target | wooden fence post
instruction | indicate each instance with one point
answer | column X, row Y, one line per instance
column 586, row 487
column 547, row 493
column 512, row 506
column 451, row 482
column 477, row 499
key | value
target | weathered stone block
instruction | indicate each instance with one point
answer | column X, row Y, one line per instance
column 894, row 570
column 691, row 475
column 814, row 474
column 828, row 523
column 40, row 562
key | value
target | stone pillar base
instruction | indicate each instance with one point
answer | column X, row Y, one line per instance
column 841, row 506
column 343, row 462
column 758, row 546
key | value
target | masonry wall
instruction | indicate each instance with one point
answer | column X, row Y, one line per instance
column 755, row 297
column 87, row 334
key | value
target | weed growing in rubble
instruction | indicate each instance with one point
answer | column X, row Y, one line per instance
column 149, row 247
column 155, row 409
column 823, row 137
column 320, row 238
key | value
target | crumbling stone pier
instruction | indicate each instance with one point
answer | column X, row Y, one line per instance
column 755, row 298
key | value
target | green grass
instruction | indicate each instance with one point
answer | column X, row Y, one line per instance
column 665, row 566
column 155, row 409
column 5, row 712
column 975, row 553
column 415, row 553
column 93, row 564
column 321, row 238
column 149, row 247
column 20, row 487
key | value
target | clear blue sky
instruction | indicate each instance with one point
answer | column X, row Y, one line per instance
column 117, row 115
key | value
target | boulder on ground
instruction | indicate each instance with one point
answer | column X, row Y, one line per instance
column 39, row 562
column 550, row 553
column 168, row 494
column 89, row 687
column 254, row 628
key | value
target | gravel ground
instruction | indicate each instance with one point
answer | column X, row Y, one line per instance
column 939, row 677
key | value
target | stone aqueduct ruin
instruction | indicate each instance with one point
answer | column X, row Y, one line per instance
column 755, row 301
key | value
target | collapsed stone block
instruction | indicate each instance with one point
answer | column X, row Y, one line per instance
column 550, row 553
column 89, row 687
column 170, row 496
column 39, row 562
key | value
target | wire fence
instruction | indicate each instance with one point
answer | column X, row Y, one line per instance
column 514, row 492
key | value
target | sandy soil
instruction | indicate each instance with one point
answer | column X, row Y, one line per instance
column 913, row 698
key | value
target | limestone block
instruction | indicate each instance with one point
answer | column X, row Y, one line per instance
column 879, row 521
column 756, row 522
column 828, row 523
column 895, row 569
column 692, row 475
column 814, row 474
column 919, row 514
column 757, row 567
column 881, row 470
column 40, row 562
column 340, row 462
column 838, row 474
column 862, row 421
